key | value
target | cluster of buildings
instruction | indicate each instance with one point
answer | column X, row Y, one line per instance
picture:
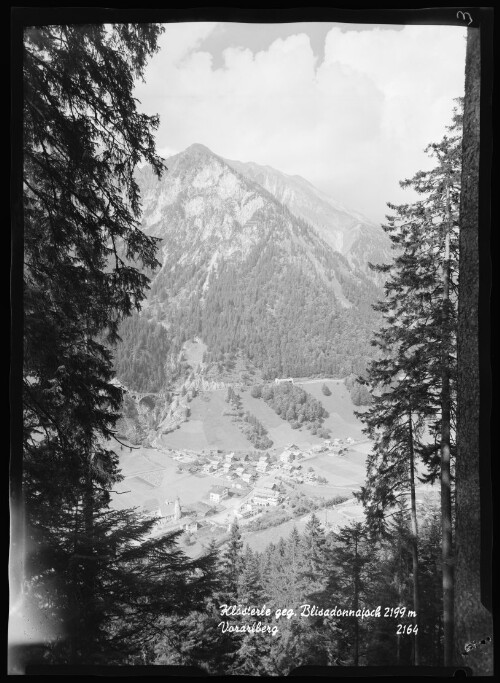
column 243, row 471
column 333, row 446
column 242, row 475
column 239, row 469
column 266, row 495
column 170, row 516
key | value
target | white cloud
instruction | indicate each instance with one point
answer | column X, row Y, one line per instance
column 166, row 152
column 181, row 38
column 354, row 125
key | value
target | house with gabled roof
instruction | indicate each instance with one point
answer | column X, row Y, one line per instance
column 218, row 493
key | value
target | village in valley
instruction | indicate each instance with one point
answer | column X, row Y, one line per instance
column 198, row 472
column 212, row 488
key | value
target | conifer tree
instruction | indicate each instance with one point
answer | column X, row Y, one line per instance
column 313, row 555
column 442, row 188
column 136, row 580
column 349, row 576
column 232, row 563
column 413, row 381
column 86, row 265
column 392, row 585
column 295, row 567
column 394, row 422
column 83, row 137
column 196, row 638
column 253, row 657
column 249, row 582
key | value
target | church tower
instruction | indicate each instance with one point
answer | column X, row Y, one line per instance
column 177, row 509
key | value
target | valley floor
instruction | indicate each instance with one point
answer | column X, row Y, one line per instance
column 153, row 475
column 190, row 461
column 208, row 427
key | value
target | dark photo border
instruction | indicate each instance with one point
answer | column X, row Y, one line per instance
column 481, row 19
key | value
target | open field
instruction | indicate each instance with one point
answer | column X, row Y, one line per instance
column 208, row 427
column 341, row 421
column 189, row 487
column 340, row 470
column 190, row 435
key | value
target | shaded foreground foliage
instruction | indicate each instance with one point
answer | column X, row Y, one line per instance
column 348, row 570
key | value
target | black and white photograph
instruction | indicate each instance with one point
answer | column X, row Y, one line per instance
column 250, row 352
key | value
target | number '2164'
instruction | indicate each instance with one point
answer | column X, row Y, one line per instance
column 407, row 628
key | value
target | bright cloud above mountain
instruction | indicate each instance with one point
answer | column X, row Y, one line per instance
column 354, row 121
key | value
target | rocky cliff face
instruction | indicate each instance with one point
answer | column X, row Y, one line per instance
column 208, row 211
column 346, row 231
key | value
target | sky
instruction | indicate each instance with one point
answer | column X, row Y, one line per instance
column 348, row 107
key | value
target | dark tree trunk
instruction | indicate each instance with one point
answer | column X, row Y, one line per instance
column 473, row 621
column 414, row 543
column 446, row 513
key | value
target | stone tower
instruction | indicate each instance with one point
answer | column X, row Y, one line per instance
column 177, row 509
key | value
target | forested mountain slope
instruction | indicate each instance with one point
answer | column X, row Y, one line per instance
column 243, row 273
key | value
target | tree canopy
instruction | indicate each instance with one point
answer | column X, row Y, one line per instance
column 86, row 267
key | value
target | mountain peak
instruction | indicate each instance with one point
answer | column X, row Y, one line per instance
column 198, row 148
